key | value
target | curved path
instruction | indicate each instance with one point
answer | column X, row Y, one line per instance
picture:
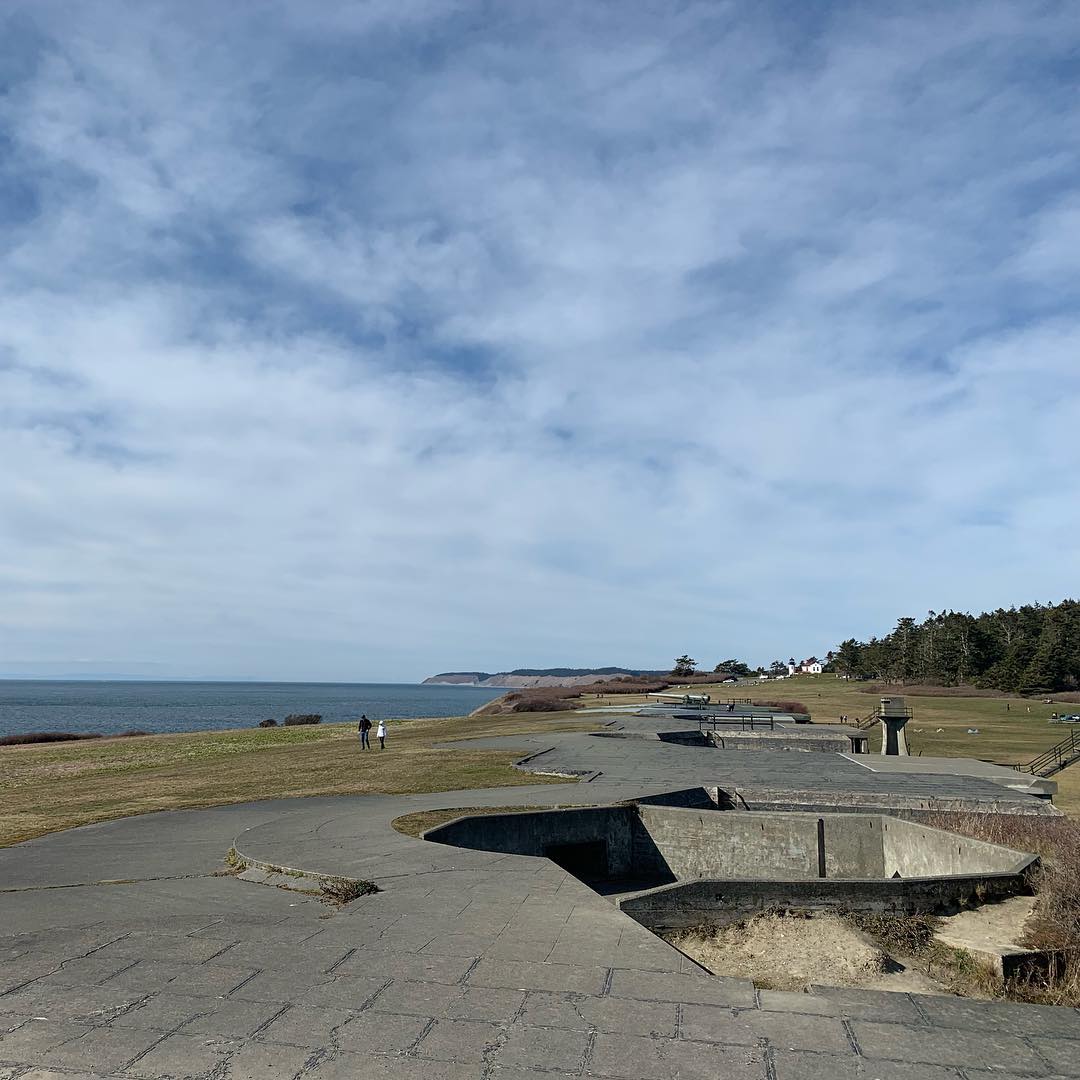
column 123, row 955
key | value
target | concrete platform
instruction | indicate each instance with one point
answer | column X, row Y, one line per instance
column 122, row 954
column 1038, row 786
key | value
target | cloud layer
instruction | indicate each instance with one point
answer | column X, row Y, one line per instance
column 371, row 340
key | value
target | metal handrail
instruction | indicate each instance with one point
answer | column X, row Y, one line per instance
column 1069, row 747
column 744, row 721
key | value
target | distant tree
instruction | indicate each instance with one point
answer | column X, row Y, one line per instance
column 848, row 658
column 684, row 665
column 777, row 667
column 1035, row 647
column 734, row 668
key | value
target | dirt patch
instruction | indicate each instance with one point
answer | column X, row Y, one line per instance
column 793, row 952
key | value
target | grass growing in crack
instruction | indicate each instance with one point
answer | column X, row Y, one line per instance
column 341, row 891
column 235, row 863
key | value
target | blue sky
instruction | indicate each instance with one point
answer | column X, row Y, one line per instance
column 367, row 340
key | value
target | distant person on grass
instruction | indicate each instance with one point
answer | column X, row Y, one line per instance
column 381, row 734
column 364, row 727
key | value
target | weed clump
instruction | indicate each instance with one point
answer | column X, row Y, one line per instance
column 295, row 719
column 235, row 863
column 341, row 891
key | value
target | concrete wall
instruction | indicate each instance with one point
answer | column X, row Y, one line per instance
column 912, row 807
column 730, row 844
column 764, row 845
column 652, row 842
column 852, row 844
column 913, row 850
column 779, row 740
column 536, row 833
column 711, row 904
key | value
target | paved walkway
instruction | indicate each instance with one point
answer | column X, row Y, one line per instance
column 123, row 955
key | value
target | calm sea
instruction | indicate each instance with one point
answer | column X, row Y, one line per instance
column 111, row 707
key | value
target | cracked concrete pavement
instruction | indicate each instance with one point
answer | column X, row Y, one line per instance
column 124, row 954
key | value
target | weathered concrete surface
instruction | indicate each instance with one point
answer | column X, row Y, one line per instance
column 718, row 903
column 833, row 782
column 122, row 955
column 675, row 842
column 984, row 770
column 794, row 738
column 913, row 850
column 992, row 933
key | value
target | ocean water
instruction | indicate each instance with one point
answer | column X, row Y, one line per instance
column 112, row 707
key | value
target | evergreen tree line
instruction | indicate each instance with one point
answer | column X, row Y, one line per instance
column 1027, row 649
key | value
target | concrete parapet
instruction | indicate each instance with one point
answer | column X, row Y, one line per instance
column 780, row 739
column 716, row 903
column 698, row 860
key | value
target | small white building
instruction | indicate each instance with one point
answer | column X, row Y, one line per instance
column 813, row 666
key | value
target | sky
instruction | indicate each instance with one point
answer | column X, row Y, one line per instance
column 361, row 341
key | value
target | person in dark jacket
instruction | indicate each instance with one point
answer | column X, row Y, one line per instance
column 364, row 728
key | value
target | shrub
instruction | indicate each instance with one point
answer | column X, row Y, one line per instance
column 294, row 719
column 48, row 736
column 268, row 723
column 133, row 733
column 546, row 699
column 547, row 704
column 785, row 706
column 628, row 685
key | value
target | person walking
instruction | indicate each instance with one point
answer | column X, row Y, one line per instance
column 365, row 732
column 381, row 734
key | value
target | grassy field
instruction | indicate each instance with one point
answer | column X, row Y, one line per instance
column 940, row 725
column 56, row 786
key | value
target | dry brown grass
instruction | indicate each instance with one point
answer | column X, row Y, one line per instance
column 44, row 788
column 1055, row 924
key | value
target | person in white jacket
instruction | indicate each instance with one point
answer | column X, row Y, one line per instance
column 380, row 734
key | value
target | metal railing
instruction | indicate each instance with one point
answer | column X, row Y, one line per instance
column 1055, row 759
column 875, row 717
column 745, row 722
column 861, row 723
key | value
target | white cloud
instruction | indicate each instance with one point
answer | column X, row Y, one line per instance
column 355, row 343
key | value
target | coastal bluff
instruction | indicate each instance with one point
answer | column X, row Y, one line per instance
column 531, row 677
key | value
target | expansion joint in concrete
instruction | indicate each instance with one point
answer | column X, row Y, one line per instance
column 590, row 1047
column 241, row 985
column 918, row 1008
column 103, row 882
column 769, row 1061
column 60, row 967
column 337, row 963
column 313, row 1062
column 849, row 1031
column 221, row 952
column 1033, row 1044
